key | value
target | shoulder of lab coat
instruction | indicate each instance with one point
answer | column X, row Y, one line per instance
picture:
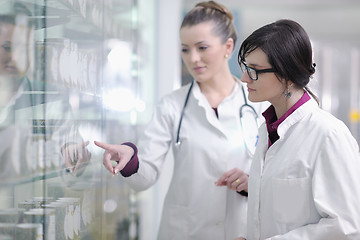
column 335, row 189
column 156, row 139
column 335, row 180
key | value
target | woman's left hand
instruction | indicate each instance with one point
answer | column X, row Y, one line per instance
column 234, row 179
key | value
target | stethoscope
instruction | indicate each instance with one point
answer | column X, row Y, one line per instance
column 242, row 112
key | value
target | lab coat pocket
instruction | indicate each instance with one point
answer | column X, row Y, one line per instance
column 291, row 200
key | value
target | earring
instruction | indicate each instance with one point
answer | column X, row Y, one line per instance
column 226, row 56
column 287, row 93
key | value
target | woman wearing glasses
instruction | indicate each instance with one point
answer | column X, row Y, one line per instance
column 202, row 124
column 304, row 179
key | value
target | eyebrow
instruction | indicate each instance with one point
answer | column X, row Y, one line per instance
column 253, row 65
column 5, row 43
column 256, row 65
column 197, row 43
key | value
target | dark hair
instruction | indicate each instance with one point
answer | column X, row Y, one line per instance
column 10, row 19
column 216, row 13
column 14, row 18
column 288, row 49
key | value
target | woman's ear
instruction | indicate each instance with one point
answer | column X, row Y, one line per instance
column 289, row 84
column 229, row 45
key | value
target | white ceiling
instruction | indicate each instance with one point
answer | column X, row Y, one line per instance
column 244, row 3
column 324, row 20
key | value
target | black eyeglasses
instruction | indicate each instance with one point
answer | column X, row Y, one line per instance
column 252, row 72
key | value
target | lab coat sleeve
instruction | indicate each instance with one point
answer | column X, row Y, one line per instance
column 336, row 191
column 154, row 145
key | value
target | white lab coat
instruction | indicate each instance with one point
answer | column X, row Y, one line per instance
column 306, row 185
column 194, row 207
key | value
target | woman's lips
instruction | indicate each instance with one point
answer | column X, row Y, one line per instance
column 198, row 69
column 11, row 69
column 251, row 90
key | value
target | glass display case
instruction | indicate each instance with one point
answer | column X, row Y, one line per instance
column 69, row 76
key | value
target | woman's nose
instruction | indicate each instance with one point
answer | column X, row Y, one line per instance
column 245, row 78
column 194, row 56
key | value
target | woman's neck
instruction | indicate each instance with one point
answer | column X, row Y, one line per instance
column 286, row 103
column 216, row 91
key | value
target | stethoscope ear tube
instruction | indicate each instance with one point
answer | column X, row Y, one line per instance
column 250, row 147
column 246, row 105
column 182, row 113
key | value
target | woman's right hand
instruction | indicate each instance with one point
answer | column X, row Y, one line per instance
column 118, row 153
column 234, row 179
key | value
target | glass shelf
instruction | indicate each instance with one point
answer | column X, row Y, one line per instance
column 66, row 55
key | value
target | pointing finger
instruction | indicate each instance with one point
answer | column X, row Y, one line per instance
column 105, row 146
